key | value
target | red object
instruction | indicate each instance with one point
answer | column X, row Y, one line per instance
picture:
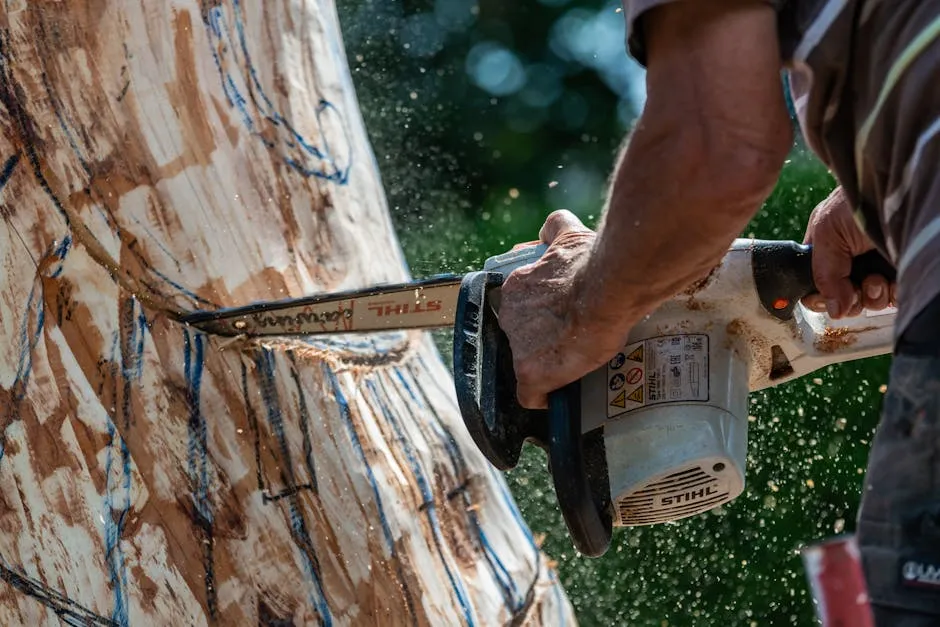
column 834, row 570
column 781, row 303
column 634, row 376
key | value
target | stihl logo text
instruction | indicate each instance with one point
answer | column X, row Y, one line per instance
column 404, row 309
column 691, row 495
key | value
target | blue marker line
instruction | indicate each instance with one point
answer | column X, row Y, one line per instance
column 108, row 218
column 427, row 497
column 263, row 105
column 344, row 411
column 130, row 339
column 113, row 530
column 276, row 117
column 304, row 412
column 28, row 342
column 556, row 591
column 500, row 573
column 299, row 533
column 198, row 460
column 505, row 495
column 181, row 288
column 197, row 454
column 156, row 240
column 7, row 173
column 61, row 252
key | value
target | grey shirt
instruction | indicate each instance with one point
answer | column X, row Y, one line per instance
column 865, row 83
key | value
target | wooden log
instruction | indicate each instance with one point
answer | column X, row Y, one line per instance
column 162, row 156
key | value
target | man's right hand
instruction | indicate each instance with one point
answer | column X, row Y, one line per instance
column 836, row 239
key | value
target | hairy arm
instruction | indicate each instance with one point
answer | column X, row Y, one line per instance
column 705, row 153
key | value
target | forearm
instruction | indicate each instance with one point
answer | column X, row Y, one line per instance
column 704, row 155
column 673, row 209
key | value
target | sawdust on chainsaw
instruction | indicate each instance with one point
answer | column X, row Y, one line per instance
column 836, row 338
column 698, row 285
column 759, row 348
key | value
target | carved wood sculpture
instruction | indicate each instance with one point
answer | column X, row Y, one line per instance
column 161, row 156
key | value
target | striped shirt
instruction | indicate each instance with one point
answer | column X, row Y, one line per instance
column 865, row 80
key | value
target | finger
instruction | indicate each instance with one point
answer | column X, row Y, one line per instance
column 856, row 308
column 876, row 293
column 815, row 302
column 831, row 269
column 558, row 223
column 526, row 244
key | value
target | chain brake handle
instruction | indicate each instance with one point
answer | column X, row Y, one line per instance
column 486, row 395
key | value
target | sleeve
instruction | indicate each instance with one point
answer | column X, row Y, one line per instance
column 633, row 11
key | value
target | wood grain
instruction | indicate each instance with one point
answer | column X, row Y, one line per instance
column 158, row 157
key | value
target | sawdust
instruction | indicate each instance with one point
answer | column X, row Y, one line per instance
column 836, row 338
column 693, row 304
column 760, row 350
column 699, row 285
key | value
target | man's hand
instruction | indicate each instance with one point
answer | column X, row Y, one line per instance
column 551, row 347
column 836, row 239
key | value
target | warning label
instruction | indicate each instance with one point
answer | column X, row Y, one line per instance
column 671, row 368
column 620, row 401
column 636, row 354
column 634, row 375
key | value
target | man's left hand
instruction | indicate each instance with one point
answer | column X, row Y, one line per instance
column 552, row 344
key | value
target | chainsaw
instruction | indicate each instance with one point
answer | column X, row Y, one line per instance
column 657, row 434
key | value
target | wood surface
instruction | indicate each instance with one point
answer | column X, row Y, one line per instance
column 159, row 157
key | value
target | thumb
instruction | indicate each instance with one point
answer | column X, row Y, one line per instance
column 558, row 223
column 831, row 269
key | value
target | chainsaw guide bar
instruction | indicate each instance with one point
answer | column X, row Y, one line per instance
column 422, row 304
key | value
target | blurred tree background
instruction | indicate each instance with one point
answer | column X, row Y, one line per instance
column 485, row 116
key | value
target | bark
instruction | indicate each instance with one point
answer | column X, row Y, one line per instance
column 161, row 156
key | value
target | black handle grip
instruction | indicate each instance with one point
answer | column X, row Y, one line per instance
column 783, row 273
column 583, row 495
column 485, row 380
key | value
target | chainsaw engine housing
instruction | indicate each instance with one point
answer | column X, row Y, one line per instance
column 677, row 447
column 659, row 433
column 672, row 405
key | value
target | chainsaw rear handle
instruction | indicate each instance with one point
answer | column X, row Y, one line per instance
column 783, row 273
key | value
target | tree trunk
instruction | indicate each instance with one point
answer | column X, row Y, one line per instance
column 161, row 156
